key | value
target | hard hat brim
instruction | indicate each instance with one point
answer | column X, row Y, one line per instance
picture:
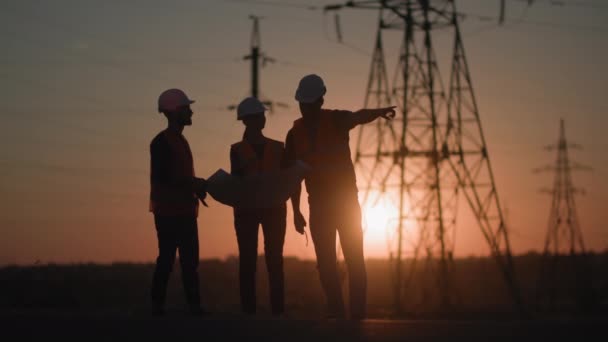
column 245, row 115
column 162, row 109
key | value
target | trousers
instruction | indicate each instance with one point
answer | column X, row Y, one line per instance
column 247, row 223
column 329, row 217
column 178, row 233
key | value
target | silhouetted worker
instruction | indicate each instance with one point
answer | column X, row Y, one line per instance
column 173, row 200
column 321, row 139
column 256, row 155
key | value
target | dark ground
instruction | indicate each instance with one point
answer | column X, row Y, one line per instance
column 93, row 302
column 478, row 287
column 72, row 326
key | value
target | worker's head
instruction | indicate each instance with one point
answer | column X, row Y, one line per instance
column 312, row 108
column 309, row 94
column 175, row 105
column 255, row 122
column 251, row 112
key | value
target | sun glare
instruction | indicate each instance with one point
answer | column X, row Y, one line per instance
column 378, row 219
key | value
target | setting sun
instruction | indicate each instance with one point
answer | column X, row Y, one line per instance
column 379, row 220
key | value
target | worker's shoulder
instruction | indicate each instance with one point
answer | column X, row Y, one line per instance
column 236, row 145
column 336, row 112
column 274, row 142
column 297, row 122
column 292, row 128
column 339, row 117
column 159, row 140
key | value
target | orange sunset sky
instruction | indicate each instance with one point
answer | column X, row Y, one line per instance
column 79, row 82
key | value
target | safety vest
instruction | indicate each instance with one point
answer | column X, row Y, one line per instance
column 327, row 152
column 248, row 159
column 167, row 199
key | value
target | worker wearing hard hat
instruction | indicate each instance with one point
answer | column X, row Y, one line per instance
column 320, row 138
column 173, row 200
column 254, row 155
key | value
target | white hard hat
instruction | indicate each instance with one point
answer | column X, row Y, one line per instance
column 171, row 99
column 310, row 89
column 248, row 107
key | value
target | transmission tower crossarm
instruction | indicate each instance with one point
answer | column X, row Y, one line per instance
column 564, row 145
column 578, row 166
column 364, row 4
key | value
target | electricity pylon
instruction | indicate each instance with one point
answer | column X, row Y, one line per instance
column 565, row 272
column 257, row 58
column 438, row 154
column 372, row 137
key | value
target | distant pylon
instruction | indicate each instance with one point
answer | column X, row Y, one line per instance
column 565, row 274
column 439, row 153
column 257, row 58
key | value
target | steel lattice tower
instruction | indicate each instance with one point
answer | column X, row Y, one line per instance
column 373, row 137
column 435, row 152
column 565, row 271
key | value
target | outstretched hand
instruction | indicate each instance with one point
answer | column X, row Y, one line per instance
column 388, row 113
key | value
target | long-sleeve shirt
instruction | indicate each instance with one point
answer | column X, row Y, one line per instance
column 330, row 183
column 171, row 175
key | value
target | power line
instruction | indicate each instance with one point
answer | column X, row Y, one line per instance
column 56, row 25
column 95, row 58
column 590, row 29
column 287, row 63
column 119, row 111
column 92, row 59
column 575, row 27
column 480, row 30
column 69, row 169
column 278, row 4
column 73, row 127
column 81, row 97
column 558, row 3
column 353, row 48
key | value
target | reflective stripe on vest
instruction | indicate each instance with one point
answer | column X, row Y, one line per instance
column 168, row 200
column 249, row 162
